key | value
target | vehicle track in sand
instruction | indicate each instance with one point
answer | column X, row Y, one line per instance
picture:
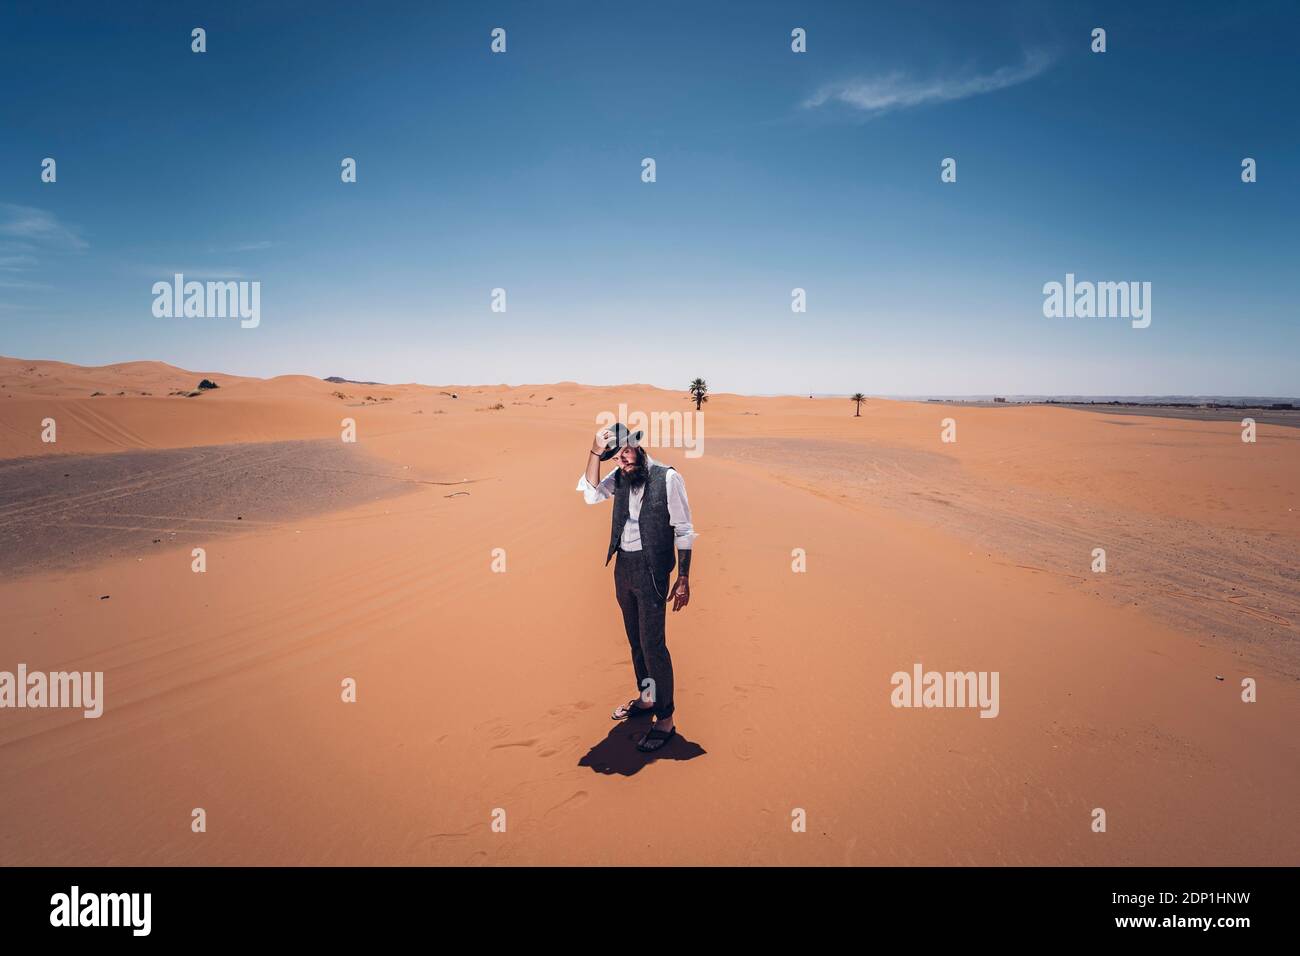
column 70, row 510
column 1213, row 581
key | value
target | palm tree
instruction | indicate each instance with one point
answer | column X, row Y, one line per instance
column 858, row 398
column 699, row 393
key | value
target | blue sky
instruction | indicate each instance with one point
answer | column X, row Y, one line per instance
column 775, row 170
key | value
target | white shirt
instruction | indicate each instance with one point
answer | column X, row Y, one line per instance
column 679, row 509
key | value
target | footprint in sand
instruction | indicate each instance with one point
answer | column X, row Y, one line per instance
column 493, row 729
column 571, row 709
column 551, row 751
column 743, row 692
column 441, row 840
column 741, row 701
column 553, row 816
column 744, row 747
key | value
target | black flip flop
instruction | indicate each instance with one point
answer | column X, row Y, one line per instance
column 632, row 710
column 655, row 734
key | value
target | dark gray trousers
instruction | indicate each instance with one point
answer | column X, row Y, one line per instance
column 643, row 619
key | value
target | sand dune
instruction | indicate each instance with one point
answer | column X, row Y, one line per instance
column 481, row 690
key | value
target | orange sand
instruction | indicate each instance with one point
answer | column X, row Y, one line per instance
column 480, row 690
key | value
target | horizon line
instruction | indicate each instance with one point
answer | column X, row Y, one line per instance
column 1009, row 396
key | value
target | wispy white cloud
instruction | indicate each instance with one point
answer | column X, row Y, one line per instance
column 897, row 91
column 23, row 285
column 258, row 246
column 40, row 227
column 193, row 271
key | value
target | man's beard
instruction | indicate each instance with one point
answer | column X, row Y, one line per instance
column 637, row 475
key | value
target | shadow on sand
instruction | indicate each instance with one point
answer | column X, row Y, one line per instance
column 617, row 753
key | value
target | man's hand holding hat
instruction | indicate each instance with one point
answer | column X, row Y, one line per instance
column 609, row 440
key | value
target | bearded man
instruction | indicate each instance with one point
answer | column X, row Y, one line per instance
column 651, row 532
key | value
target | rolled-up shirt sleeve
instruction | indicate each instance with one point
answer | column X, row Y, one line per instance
column 594, row 494
column 679, row 511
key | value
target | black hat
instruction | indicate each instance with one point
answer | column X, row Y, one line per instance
column 621, row 437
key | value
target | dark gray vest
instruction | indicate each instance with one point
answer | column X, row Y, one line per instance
column 654, row 523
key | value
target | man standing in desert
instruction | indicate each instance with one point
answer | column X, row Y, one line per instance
column 651, row 531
